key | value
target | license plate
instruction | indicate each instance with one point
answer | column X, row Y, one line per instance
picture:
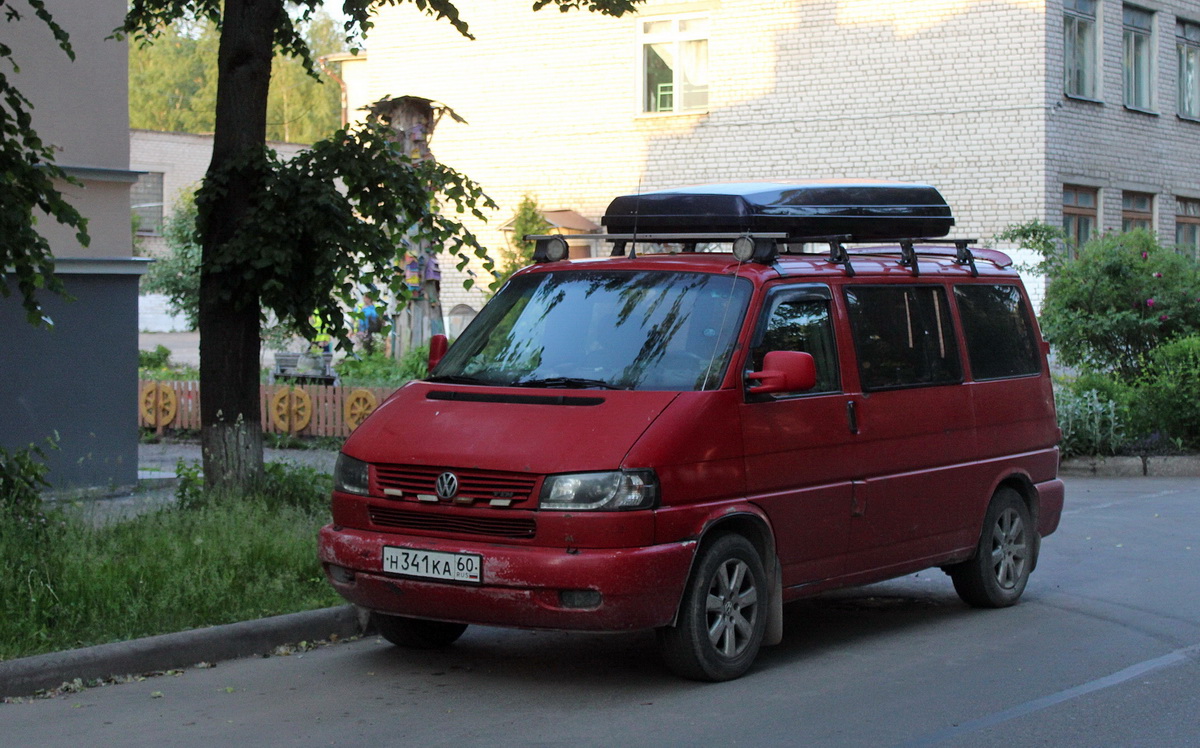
column 414, row 562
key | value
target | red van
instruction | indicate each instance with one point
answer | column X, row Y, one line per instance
column 746, row 404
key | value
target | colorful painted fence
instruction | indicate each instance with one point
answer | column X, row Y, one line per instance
column 304, row 410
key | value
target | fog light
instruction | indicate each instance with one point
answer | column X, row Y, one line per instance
column 341, row 574
column 580, row 598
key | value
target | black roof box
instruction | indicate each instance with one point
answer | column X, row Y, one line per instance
column 864, row 210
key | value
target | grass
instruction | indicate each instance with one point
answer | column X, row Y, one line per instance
column 207, row 560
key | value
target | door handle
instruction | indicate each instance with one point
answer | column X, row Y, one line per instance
column 852, row 416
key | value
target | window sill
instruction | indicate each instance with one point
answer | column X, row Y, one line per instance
column 671, row 115
column 1188, row 118
column 1083, row 99
column 1138, row 110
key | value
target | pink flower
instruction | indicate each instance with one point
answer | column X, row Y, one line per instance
column 1150, row 302
column 1145, row 255
column 1162, row 318
column 1158, row 275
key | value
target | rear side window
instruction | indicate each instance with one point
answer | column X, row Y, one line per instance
column 1000, row 337
column 903, row 335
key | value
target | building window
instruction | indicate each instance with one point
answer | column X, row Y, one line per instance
column 674, row 64
column 1137, row 211
column 146, row 201
column 1079, row 213
column 1079, row 32
column 1187, row 225
column 1139, row 58
column 1187, row 43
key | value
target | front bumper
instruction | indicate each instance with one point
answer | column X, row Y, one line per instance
column 639, row 587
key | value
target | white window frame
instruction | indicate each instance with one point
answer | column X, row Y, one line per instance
column 676, row 38
column 1137, row 61
column 1081, row 18
column 1187, row 49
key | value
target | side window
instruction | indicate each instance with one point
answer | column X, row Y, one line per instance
column 1000, row 338
column 800, row 321
column 903, row 335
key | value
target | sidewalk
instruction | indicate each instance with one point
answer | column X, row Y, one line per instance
column 156, row 462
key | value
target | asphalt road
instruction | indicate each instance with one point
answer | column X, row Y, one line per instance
column 1103, row 650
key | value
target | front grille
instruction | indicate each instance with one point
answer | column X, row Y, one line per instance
column 473, row 485
column 502, row 527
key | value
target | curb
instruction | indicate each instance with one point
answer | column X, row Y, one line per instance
column 24, row 676
column 1177, row 466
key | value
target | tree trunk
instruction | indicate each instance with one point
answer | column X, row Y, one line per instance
column 230, row 415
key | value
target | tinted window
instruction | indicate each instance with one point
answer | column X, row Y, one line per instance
column 800, row 321
column 903, row 335
column 999, row 333
column 645, row 330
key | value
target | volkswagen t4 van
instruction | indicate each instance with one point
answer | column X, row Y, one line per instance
column 765, row 392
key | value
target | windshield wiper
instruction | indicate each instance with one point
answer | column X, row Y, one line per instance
column 567, row 382
column 458, row 379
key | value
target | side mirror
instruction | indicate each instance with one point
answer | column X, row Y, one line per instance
column 437, row 350
column 785, row 371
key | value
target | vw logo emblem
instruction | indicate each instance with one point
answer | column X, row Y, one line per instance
column 446, row 486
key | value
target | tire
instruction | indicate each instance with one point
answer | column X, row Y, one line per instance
column 722, row 616
column 417, row 633
column 997, row 574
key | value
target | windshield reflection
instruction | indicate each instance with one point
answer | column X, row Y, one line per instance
column 641, row 330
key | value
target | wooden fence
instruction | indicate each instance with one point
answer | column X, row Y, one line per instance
column 304, row 410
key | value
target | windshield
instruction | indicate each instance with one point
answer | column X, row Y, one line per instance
column 639, row 330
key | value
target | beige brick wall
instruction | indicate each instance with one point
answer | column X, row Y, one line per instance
column 964, row 94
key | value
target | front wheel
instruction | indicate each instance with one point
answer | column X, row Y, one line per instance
column 417, row 633
column 997, row 574
column 723, row 614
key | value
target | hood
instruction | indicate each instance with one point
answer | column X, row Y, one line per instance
column 506, row 428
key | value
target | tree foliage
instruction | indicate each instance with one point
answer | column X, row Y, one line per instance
column 281, row 236
column 1118, row 299
column 173, row 83
column 529, row 220
column 176, row 273
column 27, row 175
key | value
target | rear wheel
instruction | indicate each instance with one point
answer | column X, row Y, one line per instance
column 723, row 614
column 997, row 574
column 417, row 633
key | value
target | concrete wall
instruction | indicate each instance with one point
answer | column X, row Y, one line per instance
column 80, row 377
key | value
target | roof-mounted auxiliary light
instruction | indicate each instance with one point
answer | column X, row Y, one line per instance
column 549, row 248
column 755, row 249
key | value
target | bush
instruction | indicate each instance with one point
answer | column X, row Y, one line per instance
column 1166, row 400
column 1092, row 421
column 22, row 479
column 159, row 358
column 380, row 370
column 1123, row 295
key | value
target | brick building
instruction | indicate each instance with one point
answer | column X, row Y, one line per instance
column 1083, row 113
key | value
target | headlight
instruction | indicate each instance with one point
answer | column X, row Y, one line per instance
column 350, row 475
column 610, row 491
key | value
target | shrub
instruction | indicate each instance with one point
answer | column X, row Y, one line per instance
column 22, row 479
column 1167, row 395
column 159, row 358
column 1120, row 298
column 380, row 370
column 1091, row 422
